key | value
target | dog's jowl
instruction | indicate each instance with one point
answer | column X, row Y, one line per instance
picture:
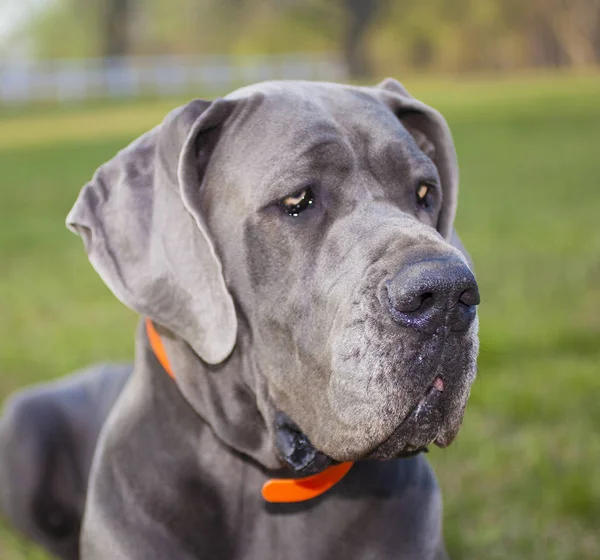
column 307, row 311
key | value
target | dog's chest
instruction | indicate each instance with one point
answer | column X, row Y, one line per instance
column 363, row 518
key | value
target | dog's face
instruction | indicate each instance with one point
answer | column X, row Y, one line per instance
column 328, row 224
column 317, row 218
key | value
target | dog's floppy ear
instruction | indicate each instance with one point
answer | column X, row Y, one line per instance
column 432, row 135
column 141, row 223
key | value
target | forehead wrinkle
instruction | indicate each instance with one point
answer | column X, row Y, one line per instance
column 419, row 162
column 323, row 148
column 280, row 180
column 397, row 152
column 307, row 146
column 299, row 123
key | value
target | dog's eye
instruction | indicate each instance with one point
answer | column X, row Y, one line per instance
column 423, row 196
column 297, row 202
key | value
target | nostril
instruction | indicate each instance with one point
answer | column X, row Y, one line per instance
column 426, row 301
column 410, row 302
column 469, row 297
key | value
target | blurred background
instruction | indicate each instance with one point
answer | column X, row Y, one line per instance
column 519, row 84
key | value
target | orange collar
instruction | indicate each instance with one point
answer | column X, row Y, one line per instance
column 276, row 490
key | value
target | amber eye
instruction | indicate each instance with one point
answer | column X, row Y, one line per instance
column 297, row 202
column 423, row 195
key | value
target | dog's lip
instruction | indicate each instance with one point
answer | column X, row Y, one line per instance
column 428, row 401
column 432, row 393
column 436, row 387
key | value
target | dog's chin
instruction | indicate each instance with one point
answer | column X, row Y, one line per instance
column 422, row 427
column 303, row 459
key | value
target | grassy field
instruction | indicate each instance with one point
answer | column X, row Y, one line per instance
column 523, row 479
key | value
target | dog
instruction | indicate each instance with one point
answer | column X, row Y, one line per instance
column 309, row 327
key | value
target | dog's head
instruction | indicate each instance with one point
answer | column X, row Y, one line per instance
column 315, row 221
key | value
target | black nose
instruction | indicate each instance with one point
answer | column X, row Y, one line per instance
column 430, row 294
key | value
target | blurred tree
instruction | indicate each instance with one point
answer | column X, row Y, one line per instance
column 576, row 26
column 115, row 17
column 360, row 14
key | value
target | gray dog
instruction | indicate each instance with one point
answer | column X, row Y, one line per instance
column 290, row 245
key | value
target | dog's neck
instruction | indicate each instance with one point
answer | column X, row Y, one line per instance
column 274, row 490
column 236, row 420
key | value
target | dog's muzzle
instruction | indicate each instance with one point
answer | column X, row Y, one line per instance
column 433, row 299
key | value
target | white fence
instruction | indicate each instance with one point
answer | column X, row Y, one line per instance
column 74, row 80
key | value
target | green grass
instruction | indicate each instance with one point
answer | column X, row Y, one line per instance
column 523, row 478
